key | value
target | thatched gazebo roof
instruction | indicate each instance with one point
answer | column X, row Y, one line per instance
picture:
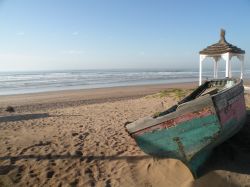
column 221, row 47
column 222, row 50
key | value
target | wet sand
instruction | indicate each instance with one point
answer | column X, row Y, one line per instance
column 77, row 138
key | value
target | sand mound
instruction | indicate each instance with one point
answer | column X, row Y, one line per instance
column 162, row 172
column 215, row 179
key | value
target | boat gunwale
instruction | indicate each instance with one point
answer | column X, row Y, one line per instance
column 182, row 109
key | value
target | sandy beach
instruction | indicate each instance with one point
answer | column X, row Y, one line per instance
column 77, row 138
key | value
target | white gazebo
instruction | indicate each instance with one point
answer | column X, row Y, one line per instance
column 224, row 50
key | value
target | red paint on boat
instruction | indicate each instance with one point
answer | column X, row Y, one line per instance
column 235, row 110
column 176, row 121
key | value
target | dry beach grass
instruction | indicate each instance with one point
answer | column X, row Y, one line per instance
column 76, row 143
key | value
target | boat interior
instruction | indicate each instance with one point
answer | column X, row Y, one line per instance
column 207, row 88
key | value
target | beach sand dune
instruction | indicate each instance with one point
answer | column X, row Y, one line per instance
column 87, row 145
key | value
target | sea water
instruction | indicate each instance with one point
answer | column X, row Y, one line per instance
column 42, row 81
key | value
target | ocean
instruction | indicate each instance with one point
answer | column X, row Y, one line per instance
column 42, row 81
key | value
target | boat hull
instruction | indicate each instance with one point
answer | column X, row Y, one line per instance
column 195, row 129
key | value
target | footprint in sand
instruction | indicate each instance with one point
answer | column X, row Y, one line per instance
column 90, row 174
column 108, row 183
column 74, row 134
column 52, row 163
column 83, row 136
column 74, row 183
column 32, row 174
column 92, row 130
column 41, row 143
column 89, row 159
column 50, row 174
column 78, row 153
column 19, row 174
column 88, row 171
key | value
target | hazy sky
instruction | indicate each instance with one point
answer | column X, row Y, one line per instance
column 93, row 34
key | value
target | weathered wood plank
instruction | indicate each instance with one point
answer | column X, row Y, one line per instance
column 184, row 109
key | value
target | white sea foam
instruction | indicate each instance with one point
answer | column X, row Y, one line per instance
column 29, row 82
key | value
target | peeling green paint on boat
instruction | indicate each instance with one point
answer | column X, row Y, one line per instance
column 228, row 130
column 197, row 138
column 193, row 136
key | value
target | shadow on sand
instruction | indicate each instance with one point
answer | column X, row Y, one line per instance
column 232, row 155
column 23, row 117
column 68, row 157
column 5, row 169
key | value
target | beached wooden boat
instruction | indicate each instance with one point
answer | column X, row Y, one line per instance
column 190, row 130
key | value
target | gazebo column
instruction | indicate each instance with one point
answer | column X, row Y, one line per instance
column 241, row 58
column 230, row 64
column 215, row 64
column 216, row 59
column 226, row 57
column 202, row 57
column 200, row 76
column 242, row 67
column 229, row 69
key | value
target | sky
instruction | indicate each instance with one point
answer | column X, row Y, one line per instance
column 117, row 34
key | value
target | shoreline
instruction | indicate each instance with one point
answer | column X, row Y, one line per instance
column 66, row 98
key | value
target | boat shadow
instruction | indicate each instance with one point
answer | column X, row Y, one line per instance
column 232, row 155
